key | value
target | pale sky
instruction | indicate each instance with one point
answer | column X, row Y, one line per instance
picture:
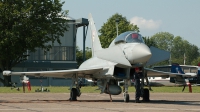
column 178, row 17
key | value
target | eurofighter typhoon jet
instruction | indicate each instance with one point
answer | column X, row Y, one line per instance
column 110, row 65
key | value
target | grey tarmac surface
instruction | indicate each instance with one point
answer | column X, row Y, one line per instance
column 95, row 102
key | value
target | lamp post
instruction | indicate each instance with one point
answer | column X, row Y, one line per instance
column 184, row 59
column 170, row 58
column 117, row 21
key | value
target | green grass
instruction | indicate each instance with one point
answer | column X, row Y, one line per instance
column 93, row 89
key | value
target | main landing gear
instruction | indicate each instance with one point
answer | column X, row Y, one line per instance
column 146, row 95
column 73, row 94
column 75, row 91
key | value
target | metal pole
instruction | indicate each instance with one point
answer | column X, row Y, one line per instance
column 117, row 21
column 117, row 28
column 84, row 43
column 170, row 60
column 184, row 59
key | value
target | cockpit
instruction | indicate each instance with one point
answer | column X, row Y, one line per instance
column 129, row 37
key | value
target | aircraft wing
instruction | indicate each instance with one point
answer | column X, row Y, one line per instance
column 188, row 66
column 58, row 73
column 156, row 73
column 158, row 55
column 182, row 66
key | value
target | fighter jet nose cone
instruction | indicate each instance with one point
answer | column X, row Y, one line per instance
column 142, row 49
column 140, row 53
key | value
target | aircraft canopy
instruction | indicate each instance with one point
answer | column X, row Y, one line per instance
column 129, row 37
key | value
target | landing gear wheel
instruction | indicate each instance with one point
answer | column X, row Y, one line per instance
column 126, row 97
column 146, row 95
column 73, row 94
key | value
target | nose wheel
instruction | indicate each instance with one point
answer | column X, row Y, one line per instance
column 126, row 97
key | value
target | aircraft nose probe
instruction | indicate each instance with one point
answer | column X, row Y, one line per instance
column 139, row 53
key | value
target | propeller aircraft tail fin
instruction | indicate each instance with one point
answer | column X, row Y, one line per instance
column 175, row 68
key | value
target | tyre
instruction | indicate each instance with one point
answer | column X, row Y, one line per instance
column 126, row 97
column 146, row 94
column 73, row 94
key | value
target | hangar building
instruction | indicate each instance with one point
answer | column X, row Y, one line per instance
column 59, row 57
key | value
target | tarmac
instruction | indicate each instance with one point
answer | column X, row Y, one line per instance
column 95, row 102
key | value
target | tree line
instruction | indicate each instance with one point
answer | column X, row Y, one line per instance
column 28, row 24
